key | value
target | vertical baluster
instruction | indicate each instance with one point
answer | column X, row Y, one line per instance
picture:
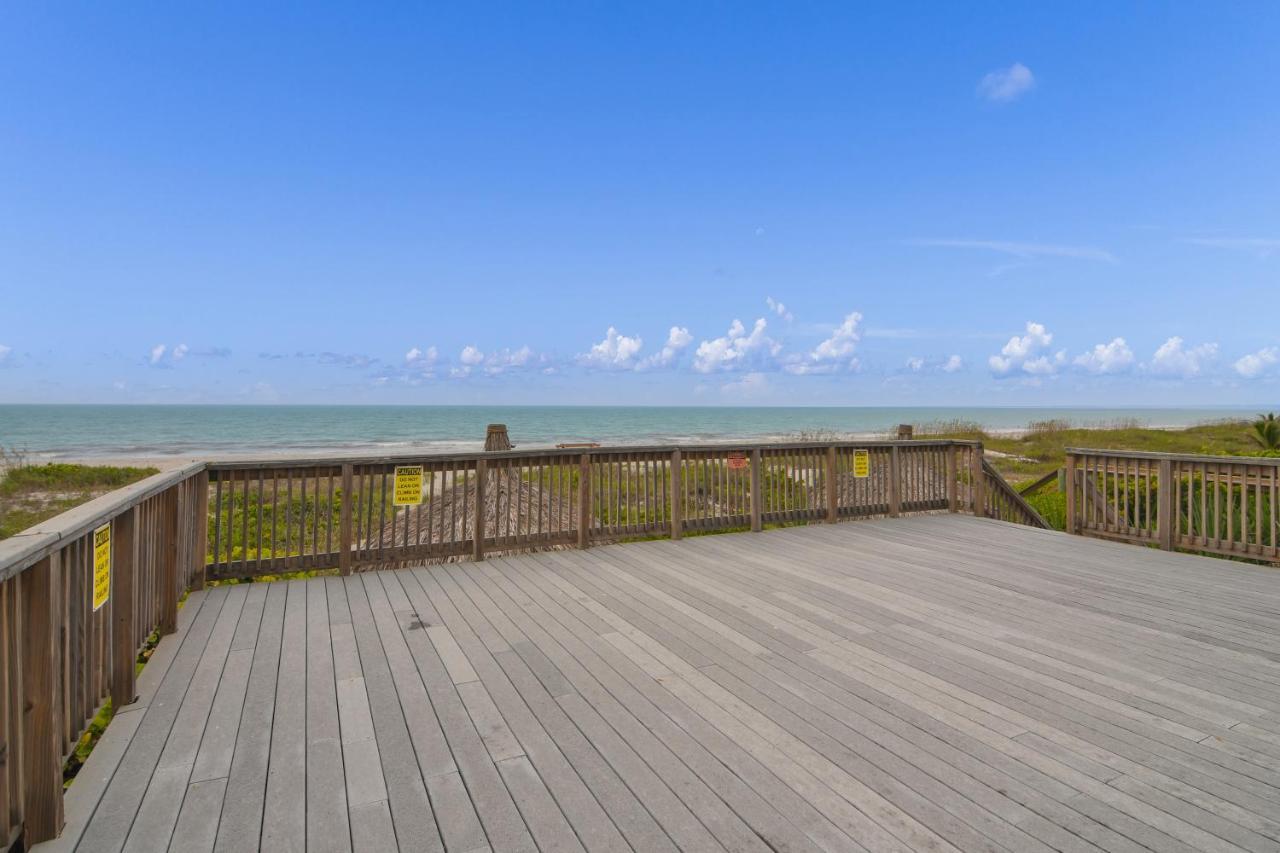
column 1230, row 501
column 478, row 532
column 328, row 518
column 258, row 532
column 217, row 515
column 244, row 520
column 584, row 500
column 1275, row 493
column 275, row 516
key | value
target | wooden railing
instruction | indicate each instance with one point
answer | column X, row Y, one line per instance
column 273, row 517
column 68, row 643
column 80, row 594
column 1006, row 503
column 1213, row 504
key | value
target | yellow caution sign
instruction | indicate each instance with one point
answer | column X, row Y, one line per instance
column 101, row 565
column 862, row 463
column 408, row 486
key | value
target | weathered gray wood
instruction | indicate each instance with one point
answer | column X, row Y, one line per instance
column 284, row 815
column 158, row 812
column 398, row 778
column 328, row 826
column 197, row 827
column 124, row 651
column 41, row 637
column 931, row 683
column 243, row 804
column 109, row 826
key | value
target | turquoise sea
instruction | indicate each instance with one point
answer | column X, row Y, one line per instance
column 85, row 431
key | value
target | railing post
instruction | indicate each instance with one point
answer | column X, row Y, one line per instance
column 1070, row 469
column 477, row 524
column 169, row 592
column 124, row 651
column 200, row 550
column 895, row 486
column 952, row 486
column 833, row 494
column 1164, row 504
column 757, row 494
column 677, row 502
column 42, row 709
column 584, row 500
column 344, row 519
column 976, row 475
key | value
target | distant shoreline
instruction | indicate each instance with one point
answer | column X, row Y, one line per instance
column 166, row 462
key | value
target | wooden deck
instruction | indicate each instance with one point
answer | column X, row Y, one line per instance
column 930, row 683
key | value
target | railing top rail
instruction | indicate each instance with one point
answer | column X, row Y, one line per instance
column 1175, row 457
column 546, row 452
column 1013, row 495
column 24, row 549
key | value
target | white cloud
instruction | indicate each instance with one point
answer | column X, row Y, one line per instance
column 420, row 358
column 180, row 352
column 921, row 364
column 677, row 340
column 420, row 364
column 751, row 385
column 736, row 349
column 1115, row 357
column 1255, row 364
column 1173, row 359
column 493, row 363
column 1044, row 366
column 157, row 353
column 842, row 341
column 507, row 359
column 4, row 352
column 1024, row 251
column 778, row 308
column 1028, row 353
column 834, row 354
column 616, row 351
column 1007, row 84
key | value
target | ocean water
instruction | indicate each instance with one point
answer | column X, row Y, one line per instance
column 88, row 431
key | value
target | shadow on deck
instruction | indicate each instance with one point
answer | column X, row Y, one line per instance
column 929, row 683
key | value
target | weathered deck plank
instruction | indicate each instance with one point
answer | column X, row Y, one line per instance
column 933, row 683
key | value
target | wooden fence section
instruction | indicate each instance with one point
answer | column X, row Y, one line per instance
column 1006, row 503
column 1213, row 504
column 269, row 518
column 79, row 595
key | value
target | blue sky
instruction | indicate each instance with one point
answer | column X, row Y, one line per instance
column 672, row 203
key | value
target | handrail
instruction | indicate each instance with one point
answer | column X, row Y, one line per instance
column 1017, row 509
column 1031, row 488
column 33, row 544
column 1265, row 461
column 79, row 595
column 472, row 455
column 1224, row 505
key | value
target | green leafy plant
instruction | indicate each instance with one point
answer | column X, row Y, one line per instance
column 1266, row 432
